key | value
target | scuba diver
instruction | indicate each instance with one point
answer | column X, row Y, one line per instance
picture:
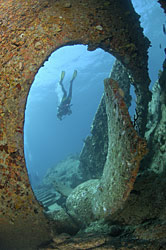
column 65, row 107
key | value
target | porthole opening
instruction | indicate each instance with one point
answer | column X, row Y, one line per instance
column 53, row 144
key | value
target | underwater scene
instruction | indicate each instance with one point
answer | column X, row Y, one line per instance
column 66, row 133
column 83, row 149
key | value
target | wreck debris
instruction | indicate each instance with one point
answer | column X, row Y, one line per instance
column 24, row 24
column 163, row 4
column 94, row 151
column 103, row 197
column 143, row 98
column 120, row 74
column 62, row 189
column 125, row 151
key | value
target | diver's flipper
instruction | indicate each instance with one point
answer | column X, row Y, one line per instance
column 74, row 75
column 62, row 76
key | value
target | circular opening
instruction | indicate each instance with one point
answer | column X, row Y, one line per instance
column 52, row 145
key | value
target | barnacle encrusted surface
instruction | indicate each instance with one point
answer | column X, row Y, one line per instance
column 94, row 151
column 125, row 151
column 29, row 32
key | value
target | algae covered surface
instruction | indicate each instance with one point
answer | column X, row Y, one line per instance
column 29, row 32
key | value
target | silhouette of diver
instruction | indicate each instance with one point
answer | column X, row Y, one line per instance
column 64, row 107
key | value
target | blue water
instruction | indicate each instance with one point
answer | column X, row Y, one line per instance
column 48, row 140
column 152, row 20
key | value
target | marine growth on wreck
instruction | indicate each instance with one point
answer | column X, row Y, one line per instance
column 120, row 202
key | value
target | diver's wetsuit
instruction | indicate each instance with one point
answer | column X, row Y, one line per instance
column 64, row 107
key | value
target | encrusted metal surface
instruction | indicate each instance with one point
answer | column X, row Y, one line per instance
column 125, row 151
column 163, row 4
column 29, row 32
column 94, row 151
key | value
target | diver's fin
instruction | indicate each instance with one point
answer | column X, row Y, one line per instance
column 62, row 75
column 74, row 75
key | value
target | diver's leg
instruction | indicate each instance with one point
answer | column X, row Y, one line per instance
column 71, row 85
column 60, row 82
column 70, row 91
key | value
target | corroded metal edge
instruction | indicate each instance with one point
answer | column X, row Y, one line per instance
column 125, row 151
